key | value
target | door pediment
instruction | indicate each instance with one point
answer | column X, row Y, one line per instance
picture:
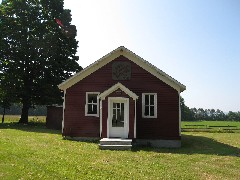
column 116, row 87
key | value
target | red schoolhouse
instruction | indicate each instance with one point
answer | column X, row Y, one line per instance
column 122, row 95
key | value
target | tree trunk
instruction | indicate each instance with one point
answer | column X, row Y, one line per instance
column 3, row 114
column 25, row 108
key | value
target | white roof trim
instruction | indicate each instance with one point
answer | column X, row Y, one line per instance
column 132, row 57
column 114, row 88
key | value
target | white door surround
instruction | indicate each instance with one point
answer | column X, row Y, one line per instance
column 102, row 98
column 118, row 104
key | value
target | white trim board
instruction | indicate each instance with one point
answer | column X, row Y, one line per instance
column 114, row 88
column 86, row 104
column 64, row 101
column 132, row 57
column 155, row 105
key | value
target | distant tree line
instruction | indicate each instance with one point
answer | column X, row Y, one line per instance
column 194, row 114
column 16, row 109
column 188, row 114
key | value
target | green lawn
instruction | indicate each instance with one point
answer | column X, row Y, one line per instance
column 32, row 119
column 34, row 152
column 212, row 123
column 212, row 126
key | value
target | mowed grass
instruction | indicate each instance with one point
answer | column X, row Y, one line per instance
column 211, row 126
column 34, row 152
column 31, row 119
column 212, row 123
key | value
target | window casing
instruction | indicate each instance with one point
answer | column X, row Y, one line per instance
column 149, row 105
column 92, row 104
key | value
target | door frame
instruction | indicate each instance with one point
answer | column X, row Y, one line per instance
column 126, row 114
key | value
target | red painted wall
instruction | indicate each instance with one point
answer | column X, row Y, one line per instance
column 165, row 126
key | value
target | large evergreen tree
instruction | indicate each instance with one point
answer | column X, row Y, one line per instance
column 36, row 53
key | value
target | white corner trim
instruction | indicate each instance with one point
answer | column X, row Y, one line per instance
column 108, row 118
column 132, row 57
column 114, row 88
column 155, row 71
column 135, row 119
column 64, row 96
column 100, row 135
column 86, row 104
column 90, row 69
column 180, row 115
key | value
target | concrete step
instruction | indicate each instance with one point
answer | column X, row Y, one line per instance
column 115, row 147
column 115, row 141
column 115, row 144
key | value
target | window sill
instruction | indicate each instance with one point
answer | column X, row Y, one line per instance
column 92, row 115
column 149, row 117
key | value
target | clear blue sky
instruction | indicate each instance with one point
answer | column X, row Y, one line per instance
column 195, row 41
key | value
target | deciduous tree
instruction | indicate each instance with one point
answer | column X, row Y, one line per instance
column 35, row 52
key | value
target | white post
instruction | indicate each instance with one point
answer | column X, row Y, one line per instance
column 179, row 114
column 64, row 94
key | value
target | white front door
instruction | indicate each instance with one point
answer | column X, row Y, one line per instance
column 118, row 117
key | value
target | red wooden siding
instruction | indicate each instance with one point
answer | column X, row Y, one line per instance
column 165, row 126
column 131, row 118
column 104, row 117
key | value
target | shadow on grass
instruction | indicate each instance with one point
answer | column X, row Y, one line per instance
column 197, row 145
column 190, row 144
column 86, row 140
column 39, row 127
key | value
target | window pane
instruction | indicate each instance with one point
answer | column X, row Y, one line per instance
column 146, row 99
column 146, row 112
column 92, row 98
column 92, row 109
column 151, row 99
column 114, row 119
column 122, row 113
column 152, row 111
column 114, row 105
column 118, row 115
column 122, row 108
column 118, row 105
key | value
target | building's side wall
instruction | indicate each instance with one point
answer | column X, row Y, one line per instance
column 165, row 126
column 54, row 117
column 76, row 124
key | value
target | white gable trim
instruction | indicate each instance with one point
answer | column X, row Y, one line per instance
column 89, row 70
column 132, row 57
column 114, row 88
column 155, row 71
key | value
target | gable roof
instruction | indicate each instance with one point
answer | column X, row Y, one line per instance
column 116, row 87
column 132, row 57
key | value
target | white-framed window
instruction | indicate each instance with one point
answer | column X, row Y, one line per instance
column 92, row 104
column 149, row 105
